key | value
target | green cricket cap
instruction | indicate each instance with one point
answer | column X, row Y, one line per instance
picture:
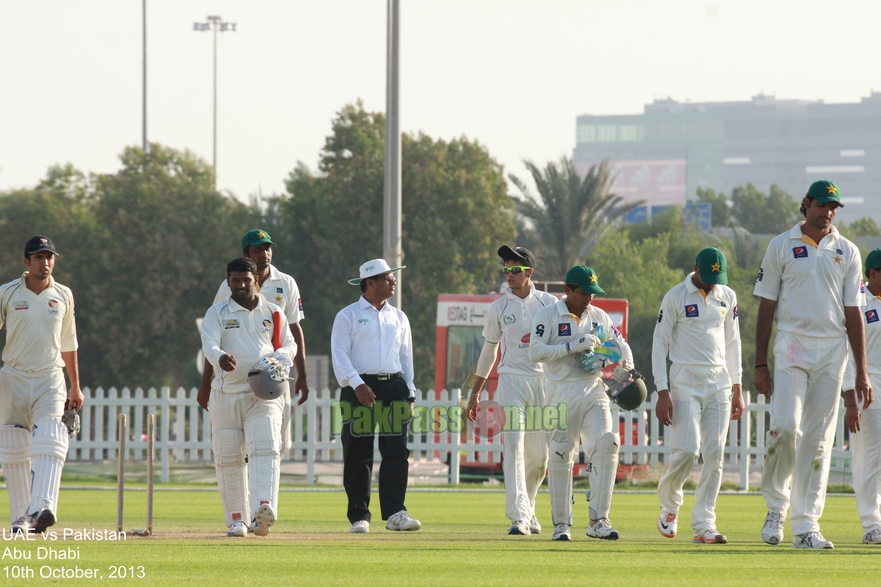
column 256, row 237
column 585, row 278
column 873, row 261
column 825, row 191
column 712, row 266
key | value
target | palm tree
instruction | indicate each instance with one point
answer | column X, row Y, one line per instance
column 571, row 212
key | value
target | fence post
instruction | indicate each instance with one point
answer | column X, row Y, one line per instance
column 745, row 429
column 311, row 435
column 164, row 450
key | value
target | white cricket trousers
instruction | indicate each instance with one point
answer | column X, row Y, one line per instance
column 866, row 447
column 525, row 444
column 587, row 413
column 701, row 398
column 804, row 410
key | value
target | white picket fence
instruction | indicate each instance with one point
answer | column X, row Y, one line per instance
column 184, row 433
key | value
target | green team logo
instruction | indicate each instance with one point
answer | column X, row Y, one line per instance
column 510, row 319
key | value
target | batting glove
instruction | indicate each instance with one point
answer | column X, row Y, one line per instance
column 588, row 342
column 621, row 375
column 283, row 359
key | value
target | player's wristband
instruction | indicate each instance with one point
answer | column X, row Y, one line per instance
column 760, row 366
column 850, row 405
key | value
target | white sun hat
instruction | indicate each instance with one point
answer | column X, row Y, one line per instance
column 373, row 268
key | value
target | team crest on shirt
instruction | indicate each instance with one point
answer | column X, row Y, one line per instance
column 871, row 316
column 53, row 306
column 509, row 319
column 279, row 290
column 267, row 325
column 691, row 311
column 231, row 324
column 20, row 305
column 363, row 320
column 564, row 330
column 800, row 252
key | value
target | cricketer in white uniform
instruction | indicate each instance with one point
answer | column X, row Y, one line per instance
column 865, row 427
column 40, row 342
column 561, row 333
column 811, row 277
column 698, row 328
column 236, row 334
column 521, row 384
column 280, row 289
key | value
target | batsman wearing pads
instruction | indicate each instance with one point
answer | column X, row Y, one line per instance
column 40, row 342
column 697, row 326
column 237, row 335
column 565, row 337
column 865, row 425
column 521, row 384
column 810, row 277
column 280, row 289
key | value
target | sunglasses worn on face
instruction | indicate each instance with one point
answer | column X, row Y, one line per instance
column 516, row 270
column 387, row 277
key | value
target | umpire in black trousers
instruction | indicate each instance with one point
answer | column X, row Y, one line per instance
column 372, row 353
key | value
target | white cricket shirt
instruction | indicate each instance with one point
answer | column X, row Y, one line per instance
column 695, row 329
column 365, row 340
column 230, row 329
column 279, row 289
column 509, row 321
column 39, row 327
column 554, row 326
column 872, row 317
column 811, row 282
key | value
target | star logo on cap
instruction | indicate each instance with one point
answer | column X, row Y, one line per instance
column 716, row 267
column 832, row 189
column 261, row 234
column 593, row 278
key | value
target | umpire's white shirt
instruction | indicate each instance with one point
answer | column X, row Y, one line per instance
column 697, row 329
column 554, row 326
column 811, row 282
column 509, row 321
column 279, row 289
column 365, row 340
column 39, row 327
column 230, row 329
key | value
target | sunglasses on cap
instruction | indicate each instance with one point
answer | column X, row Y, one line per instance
column 516, row 269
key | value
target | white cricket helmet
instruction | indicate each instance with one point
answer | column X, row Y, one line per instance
column 268, row 378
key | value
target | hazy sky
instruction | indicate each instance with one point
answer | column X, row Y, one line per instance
column 513, row 74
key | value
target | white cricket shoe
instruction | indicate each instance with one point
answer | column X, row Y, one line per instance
column 237, row 529
column 772, row 530
column 561, row 532
column 873, row 537
column 402, row 521
column 667, row 524
column 519, row 528
column 263, row 520
column 602, row 529
column 360, row 527
column 22, row 526
column 534, row 526
column 811, row 540
column 710, row 536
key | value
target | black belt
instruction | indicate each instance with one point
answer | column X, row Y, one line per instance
column 382, row 376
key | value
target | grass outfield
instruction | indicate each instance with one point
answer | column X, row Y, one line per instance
column 463, row 540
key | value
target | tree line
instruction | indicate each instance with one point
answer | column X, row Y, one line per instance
column 145, row 248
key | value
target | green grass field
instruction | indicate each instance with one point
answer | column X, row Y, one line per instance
column 463, row 541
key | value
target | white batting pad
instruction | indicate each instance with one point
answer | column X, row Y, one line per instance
column 603, row 466
column 49, row 442
column 263, row 437
column 15, row 458
column 229, row 461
